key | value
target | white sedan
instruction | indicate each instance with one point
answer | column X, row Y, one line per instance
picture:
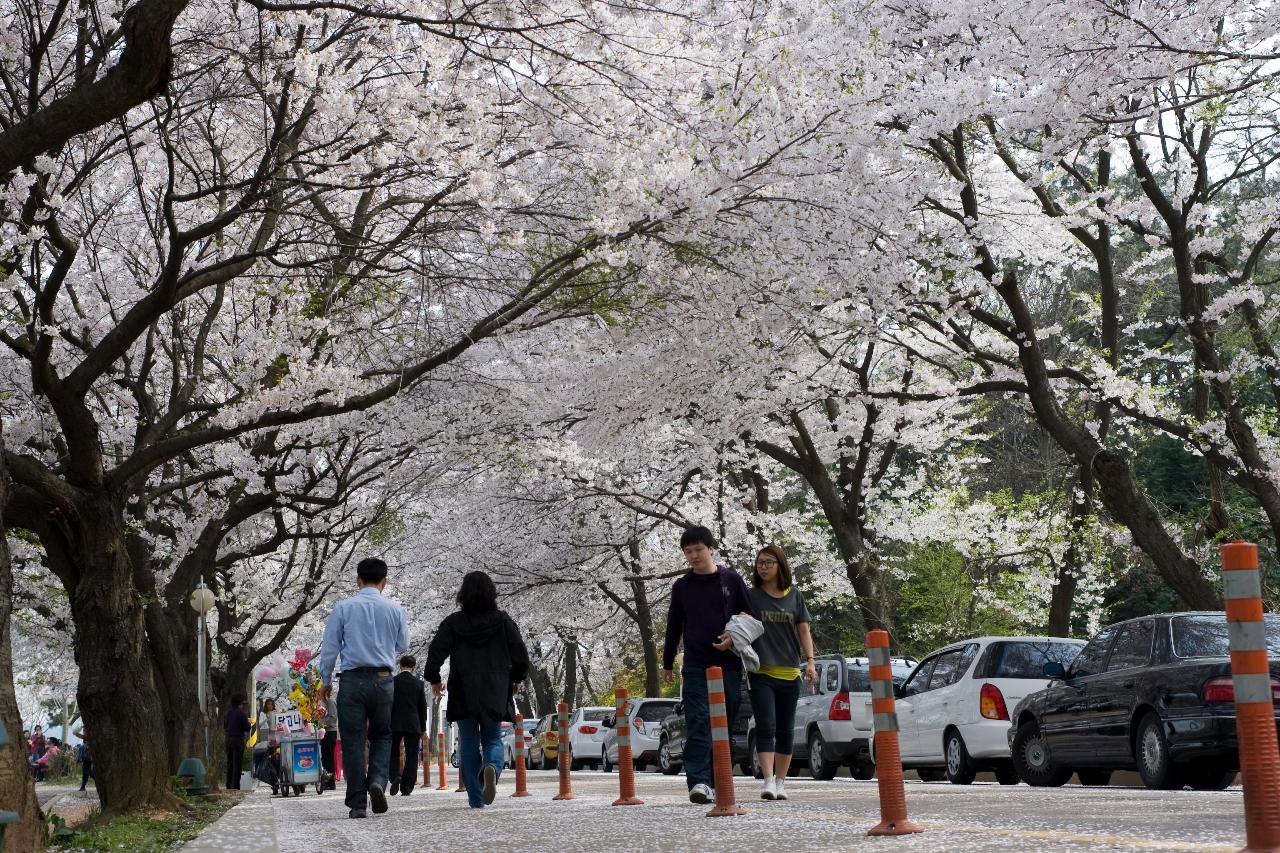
column 953, row 711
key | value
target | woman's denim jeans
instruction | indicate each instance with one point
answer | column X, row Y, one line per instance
column 475, row 736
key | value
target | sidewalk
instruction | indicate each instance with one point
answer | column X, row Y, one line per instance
column 249, row 827
column 67, row 801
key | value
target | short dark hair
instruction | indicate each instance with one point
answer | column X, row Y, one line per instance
column 477, row 594
column 697, row 535
column 237, row 700
column 408, row 661
column 372, row 570
column 784, row 567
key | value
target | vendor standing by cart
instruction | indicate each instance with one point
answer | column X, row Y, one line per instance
column 368, row 632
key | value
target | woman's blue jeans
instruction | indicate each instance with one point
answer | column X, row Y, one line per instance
column 479, row 743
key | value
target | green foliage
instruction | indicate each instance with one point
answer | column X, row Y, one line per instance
column 388, row 528
column 142, row 834
column 944, row 598
column 836, row 624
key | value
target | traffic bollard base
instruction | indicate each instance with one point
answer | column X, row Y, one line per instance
column 564, row 797
column 628, row 801
column 522, row 794
column 460, row 789
column 732, row 810
column 894, row 827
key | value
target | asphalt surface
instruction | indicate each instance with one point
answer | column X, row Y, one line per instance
column 818, row 816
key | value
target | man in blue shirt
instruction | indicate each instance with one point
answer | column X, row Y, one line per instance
column 368, row 632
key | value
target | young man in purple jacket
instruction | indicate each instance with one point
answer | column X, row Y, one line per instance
column 702, row 602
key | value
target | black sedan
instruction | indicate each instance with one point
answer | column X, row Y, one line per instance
column 671, row 739
column 1152, row 694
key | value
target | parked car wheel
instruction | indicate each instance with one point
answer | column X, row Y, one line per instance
column 1032, row 760
column 545, row 763
column 819, row 767
column 864, row 770
column 931, row 774
column 1006, row 774
column 605, row 766
column 1155, row 766
column 1094, row 778
column 665, row 763
column 576, row 763
column 1208, row 776
column 960, row 769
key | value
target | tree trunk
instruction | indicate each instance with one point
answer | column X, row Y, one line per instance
column 118, row 691
column 172, row 646
column 17, row 789
column 570, row 671
column 644, row 622
column 1063, row 595
column 543, row 693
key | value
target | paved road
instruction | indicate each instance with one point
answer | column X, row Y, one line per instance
column 819, row 816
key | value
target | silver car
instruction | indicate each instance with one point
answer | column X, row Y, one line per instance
column 833, row 718
column 646, row 715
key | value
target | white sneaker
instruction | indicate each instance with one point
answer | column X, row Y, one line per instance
column 779, row 791
column 770, row 790
column 701, row 794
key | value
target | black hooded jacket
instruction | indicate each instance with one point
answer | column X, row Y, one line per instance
column 487, row 656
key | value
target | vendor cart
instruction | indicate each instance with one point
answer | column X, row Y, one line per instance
column 300, row 764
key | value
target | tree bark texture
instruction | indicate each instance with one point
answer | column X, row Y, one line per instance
column 119, row 691
column 17, row 788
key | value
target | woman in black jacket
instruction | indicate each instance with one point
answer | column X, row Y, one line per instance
column 488, row 662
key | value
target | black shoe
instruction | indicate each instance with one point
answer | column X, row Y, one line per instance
column 490, row 784
column 378, row 799
column 357, row 813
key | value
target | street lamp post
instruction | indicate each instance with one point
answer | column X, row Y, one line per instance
column 202, row 601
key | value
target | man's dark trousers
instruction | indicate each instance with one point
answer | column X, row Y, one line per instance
column 404, row 761
column 697, row 720
column 235, row 759
column 364, row 699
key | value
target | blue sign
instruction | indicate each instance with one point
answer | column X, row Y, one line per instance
column 306, row 759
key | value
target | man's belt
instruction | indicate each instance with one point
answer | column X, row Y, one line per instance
column 366, row 670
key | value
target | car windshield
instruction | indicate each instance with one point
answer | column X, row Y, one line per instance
column 595, row 715
column 1206, row 636
column 655, row 712
column 860, row 677
column 1026, row 659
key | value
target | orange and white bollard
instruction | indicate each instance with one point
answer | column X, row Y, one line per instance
column 522, row 789
column 426, row 760
column 721, row 759
column 626, row 767
column 1255, row 712
column 562, row 754
column 444, row 782
column 893, row 793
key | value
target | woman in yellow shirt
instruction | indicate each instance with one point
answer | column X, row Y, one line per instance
column 775, row 688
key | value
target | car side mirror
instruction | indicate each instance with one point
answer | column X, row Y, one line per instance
column 1054, row 669
column 899, row 692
